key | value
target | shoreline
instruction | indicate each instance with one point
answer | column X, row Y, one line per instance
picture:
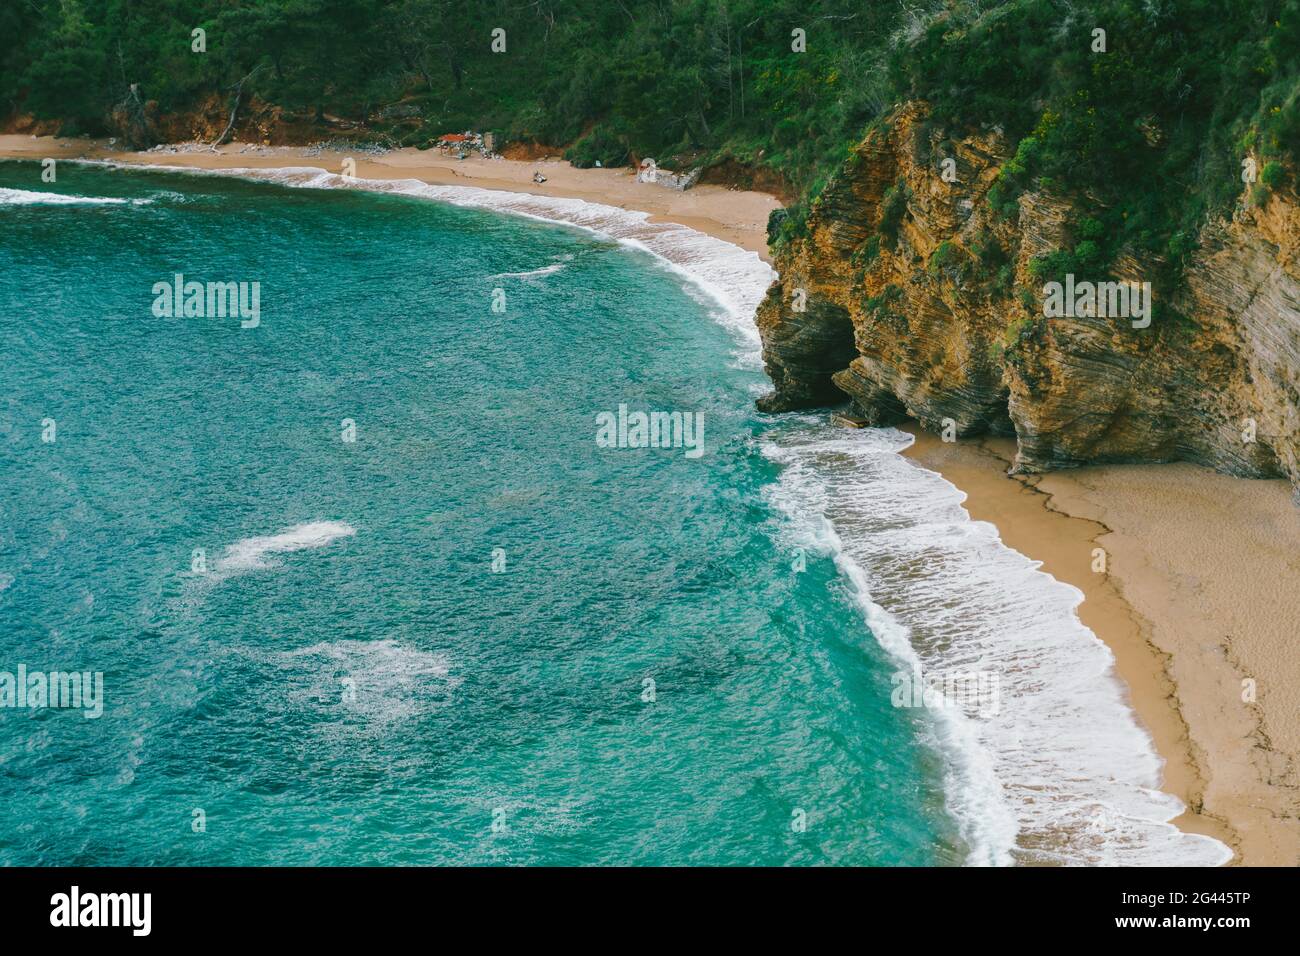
column 1161, row 616
column 733, row 215
column 1193, row 601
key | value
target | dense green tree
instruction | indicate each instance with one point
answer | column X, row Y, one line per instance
column 1150, row 133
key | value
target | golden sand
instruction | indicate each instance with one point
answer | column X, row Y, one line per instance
column 1201, row 591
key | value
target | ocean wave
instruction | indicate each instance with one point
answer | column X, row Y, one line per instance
column 1060, row 772
column 733, row 279
column 26, row 197
column 253, row 553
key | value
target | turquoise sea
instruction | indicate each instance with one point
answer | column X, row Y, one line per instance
column 365, row 589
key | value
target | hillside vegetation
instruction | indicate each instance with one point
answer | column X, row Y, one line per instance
column 1149, row 135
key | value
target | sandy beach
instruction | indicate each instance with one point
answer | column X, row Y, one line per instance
column 1198, row 596
column 1198, row 600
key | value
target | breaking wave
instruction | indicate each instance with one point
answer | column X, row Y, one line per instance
column 1060, row 773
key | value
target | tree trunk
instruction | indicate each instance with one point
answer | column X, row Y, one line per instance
column 234, row 108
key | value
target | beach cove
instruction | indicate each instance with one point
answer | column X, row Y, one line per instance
column 1183, row 646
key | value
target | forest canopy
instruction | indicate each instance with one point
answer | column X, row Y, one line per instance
column 1157, row 124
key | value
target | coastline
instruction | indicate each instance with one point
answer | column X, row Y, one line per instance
column 1192, row 603
column 734, row 215
column 1184, row 567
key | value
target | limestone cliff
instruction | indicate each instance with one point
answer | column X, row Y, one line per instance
column 909, row 296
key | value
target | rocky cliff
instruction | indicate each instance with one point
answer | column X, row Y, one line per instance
column 907, row 295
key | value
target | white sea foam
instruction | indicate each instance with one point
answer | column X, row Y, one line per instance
column 255, row 554
column 26, row 197
column 1062, row 773
column 382, row 681
column 251, row 554
column 535, row 273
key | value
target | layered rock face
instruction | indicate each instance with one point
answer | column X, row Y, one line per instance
column 910, row 297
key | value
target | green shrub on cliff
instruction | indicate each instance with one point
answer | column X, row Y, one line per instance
column 944, row 256
column 1141, row 126
column 787, row 224
column 893, row 207
column 1272, row 175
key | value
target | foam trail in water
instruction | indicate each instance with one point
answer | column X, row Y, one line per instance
column 255, row 554
column 535, row 273
column 250, row 554
column 385, row 680
column 26, row 197
column 1060, row 771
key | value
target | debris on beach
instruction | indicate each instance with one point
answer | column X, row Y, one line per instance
column 462, row 144
column 367, row 148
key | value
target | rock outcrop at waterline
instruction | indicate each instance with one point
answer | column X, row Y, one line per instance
column 909, row 296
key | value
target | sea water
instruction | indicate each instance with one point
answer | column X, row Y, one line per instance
column 365, row 587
